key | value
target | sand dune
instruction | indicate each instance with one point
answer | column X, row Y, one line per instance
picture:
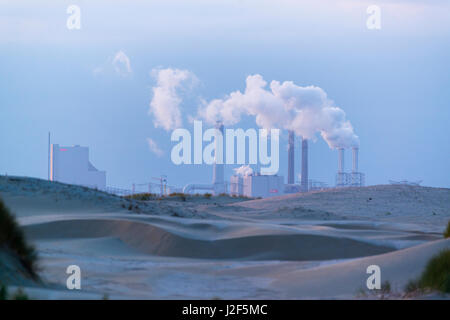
column 154, row 240
column 394, row 203
column 313, row 245
column 344, row 280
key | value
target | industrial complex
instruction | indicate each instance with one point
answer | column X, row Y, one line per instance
column 71, row 165
column 254, row 184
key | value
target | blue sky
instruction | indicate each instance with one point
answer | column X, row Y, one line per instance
column 393, row 83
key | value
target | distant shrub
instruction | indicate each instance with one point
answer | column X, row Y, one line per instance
column 437, row 273
column 207, row 195
column 142, row 196
column 13, row 238
column 178, row 194
column 447, row 231
column 412, row 286
column 361, row 293
column 386, row 287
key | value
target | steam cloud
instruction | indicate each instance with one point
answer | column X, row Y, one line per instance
column 154, row 147
column 305, row 110
column 243, row 171
column 165, row 104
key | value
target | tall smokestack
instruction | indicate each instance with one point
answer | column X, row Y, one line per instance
column 218, row 168
column 355, row 159
column 341, row 164
column 48, row 155
column 291, row 158
column 304, row 181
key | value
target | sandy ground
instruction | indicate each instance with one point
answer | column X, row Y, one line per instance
column 300, row 246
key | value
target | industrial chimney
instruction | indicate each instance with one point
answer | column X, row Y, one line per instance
column 304, row 180
column 291, row 158
column 355, row 159
column 218, row 168
column 341, row 164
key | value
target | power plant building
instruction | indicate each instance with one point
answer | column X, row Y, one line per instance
column 71, row 165
column 257, row 185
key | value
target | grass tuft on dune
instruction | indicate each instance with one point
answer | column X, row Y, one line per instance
column 447, row 231
column 437, row 273
column 3, row 292
column 13, row 240
column 20, row 294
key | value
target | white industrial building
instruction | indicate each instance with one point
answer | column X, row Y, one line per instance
column 71, row 165
column 236, row 185
column 256, row 185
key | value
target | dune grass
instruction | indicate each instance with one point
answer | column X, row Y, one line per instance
column 3, row 292
column 13, row 239
column 435, row 277
column 412, row 286
column 447, row 231
column 437, row 273
column 386, row 287
column 20, row 294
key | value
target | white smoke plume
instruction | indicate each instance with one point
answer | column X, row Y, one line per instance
column 165, row 104
column 154, row 147
column 305, row 110
column 243, row 171
column 121, row 63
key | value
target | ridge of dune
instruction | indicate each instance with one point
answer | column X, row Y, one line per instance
column 373, row 198
column 154, row 240
column 426, row 206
